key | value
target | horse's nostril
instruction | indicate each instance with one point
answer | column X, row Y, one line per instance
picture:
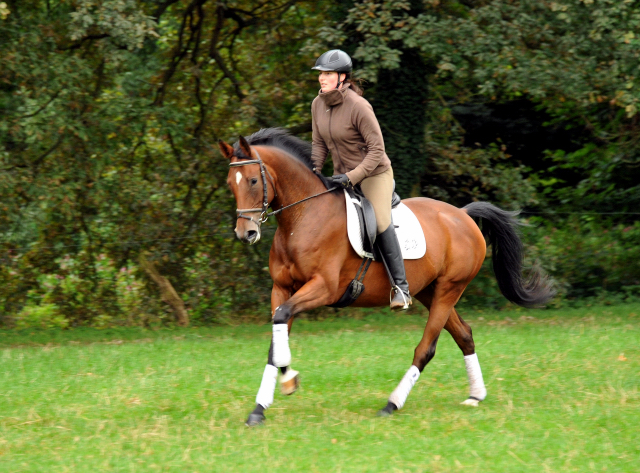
column 251, row 235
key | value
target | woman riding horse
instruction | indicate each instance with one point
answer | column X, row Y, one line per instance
column 344, row 123
column 312, row 262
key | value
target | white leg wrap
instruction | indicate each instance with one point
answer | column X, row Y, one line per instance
column 399, row 395
column 474, row 373
column 281, row 352
column 267, row 386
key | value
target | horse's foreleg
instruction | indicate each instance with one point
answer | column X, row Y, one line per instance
column 461, row 333
column 440, row 304
column 313, row 294
column 265, row 395
column 280, row 351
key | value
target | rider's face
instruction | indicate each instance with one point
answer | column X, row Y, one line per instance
column 329, row 80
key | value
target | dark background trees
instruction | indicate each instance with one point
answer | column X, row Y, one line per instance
column 109, row 111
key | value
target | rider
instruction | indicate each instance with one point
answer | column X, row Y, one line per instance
column 344, row 123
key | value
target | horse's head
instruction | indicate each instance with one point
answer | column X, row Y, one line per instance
column 248, row 182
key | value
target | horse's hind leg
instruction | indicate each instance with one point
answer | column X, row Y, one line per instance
column 461, row 333
column 440, row 300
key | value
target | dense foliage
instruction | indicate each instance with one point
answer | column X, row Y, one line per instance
column 110, row 111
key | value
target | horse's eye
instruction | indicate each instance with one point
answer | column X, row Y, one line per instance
column 254, row 181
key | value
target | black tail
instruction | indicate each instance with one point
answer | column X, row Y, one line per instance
column 501, row 228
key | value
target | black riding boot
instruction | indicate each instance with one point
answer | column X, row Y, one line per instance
column 388, row 246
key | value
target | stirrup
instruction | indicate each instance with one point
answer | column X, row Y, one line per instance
column 406, row 299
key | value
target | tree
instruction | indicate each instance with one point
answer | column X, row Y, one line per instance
column 388, row 42
column 110, row 109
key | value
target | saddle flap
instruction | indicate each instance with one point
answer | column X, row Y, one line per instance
column 366, row 214
column 369, row 220
column 395, row 200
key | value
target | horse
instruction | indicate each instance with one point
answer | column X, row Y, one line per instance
column 311, row 261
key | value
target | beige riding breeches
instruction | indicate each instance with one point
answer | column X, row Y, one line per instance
column 378, row 190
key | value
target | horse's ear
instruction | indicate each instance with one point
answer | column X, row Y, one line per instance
column 244, row 146
column 227, row 149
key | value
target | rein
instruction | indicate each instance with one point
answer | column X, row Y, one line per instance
column 275, row 212
column 264, row 214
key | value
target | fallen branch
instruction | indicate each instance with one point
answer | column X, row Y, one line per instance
column 167, row 292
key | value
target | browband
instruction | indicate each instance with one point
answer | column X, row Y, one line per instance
column 244, row 163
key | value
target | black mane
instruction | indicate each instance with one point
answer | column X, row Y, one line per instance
column 280, row 138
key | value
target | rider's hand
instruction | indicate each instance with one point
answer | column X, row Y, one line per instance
column 341, row 180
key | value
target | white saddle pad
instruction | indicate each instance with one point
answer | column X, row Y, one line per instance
column 408, row 230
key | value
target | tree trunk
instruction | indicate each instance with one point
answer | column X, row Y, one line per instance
column 167, row 292
column 400, row 101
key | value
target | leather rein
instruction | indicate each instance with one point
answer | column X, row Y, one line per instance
column 264, row 214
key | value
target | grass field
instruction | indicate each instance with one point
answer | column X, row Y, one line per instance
column 563, row 396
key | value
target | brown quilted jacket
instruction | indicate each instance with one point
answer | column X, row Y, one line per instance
column 345, row 125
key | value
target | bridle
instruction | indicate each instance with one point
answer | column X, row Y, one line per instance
column 265, row 200
column 264, row 214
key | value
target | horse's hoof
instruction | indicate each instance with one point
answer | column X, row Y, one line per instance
column 388, row 410
column 255, row 419
column 289, row 382
column 470, row 402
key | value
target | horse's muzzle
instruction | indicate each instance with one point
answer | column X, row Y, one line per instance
column 249, row 236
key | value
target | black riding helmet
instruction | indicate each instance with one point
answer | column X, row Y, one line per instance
column 335, row 60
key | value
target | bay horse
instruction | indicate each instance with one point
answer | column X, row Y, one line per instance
column 312, row 262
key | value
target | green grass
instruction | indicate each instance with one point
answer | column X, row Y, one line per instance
column 561, row 398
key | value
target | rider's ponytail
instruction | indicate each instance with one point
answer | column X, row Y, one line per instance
column 355, row 84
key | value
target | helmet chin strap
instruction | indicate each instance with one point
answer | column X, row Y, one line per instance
column 339, row 81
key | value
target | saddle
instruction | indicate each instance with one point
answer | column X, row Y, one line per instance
column 367, row 218
column 361, row 227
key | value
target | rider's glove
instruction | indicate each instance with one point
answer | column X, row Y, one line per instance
column 341, row 180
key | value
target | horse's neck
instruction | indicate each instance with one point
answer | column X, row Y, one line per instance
column 294, row 182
